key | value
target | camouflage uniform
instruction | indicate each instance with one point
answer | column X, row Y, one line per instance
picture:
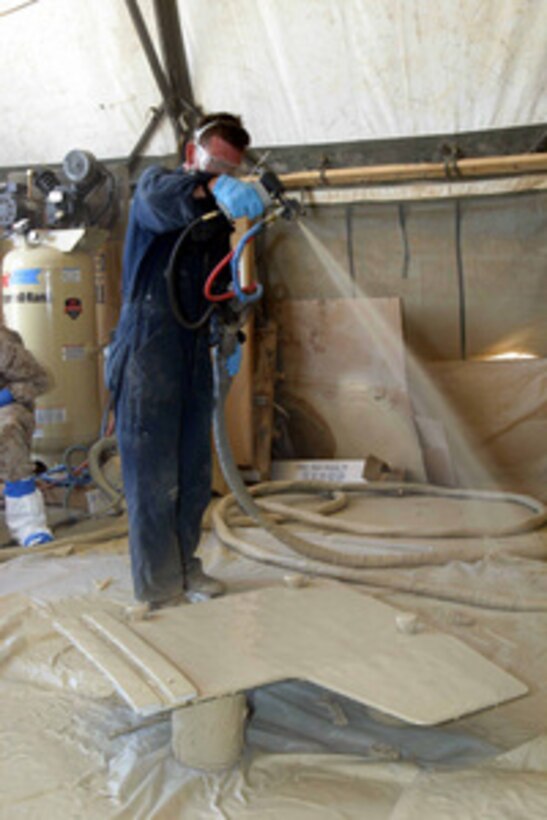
column 26, row 379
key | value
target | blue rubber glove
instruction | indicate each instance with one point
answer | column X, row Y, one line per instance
column 6, row 397
column 237, row 198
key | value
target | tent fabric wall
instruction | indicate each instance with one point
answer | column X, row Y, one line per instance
column 410, row 251
column 299, row 71
column 481, row 421
column 74, row 76
column 316, row 71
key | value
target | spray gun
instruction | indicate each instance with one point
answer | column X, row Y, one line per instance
column 226, row 326
column 238, row 299
column 272, row 192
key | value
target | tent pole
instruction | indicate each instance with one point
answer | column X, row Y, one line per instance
column 153, row 61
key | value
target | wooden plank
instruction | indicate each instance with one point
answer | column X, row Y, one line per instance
column 430, row 191
column 263, row 397
column 133, row 689
column 175, row 687
column 467, row 168
column 239, row 402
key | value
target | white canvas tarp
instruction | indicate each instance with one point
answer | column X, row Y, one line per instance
column 299, row 71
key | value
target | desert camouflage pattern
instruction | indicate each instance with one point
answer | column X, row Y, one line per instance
column 26, row 379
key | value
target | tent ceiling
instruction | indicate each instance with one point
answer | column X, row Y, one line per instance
column 299, row 71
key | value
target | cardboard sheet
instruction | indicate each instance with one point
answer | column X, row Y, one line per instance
column 503, row 405
column 344, row 366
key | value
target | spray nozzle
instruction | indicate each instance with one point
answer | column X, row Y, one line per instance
column 275, row 191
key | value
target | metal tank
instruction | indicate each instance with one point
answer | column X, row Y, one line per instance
column 49, row 298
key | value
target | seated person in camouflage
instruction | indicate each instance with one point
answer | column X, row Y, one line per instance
column 22, row 379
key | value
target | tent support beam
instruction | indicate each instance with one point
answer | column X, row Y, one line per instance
column 472, row 168
column 175, row 62
column 155, row 65
column 157, row 116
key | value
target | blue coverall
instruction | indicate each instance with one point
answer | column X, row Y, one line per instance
column 159, row 375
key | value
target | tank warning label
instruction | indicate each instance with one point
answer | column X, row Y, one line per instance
column 23, row 297
column 73, row 307
column 50, row 415
column 71, row 275
column 73, row 353
column 21, row 276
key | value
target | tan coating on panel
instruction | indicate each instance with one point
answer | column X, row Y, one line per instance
column 331, row 636
column 174, row 686
column 127, row 681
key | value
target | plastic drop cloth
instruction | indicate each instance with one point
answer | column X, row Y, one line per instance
column 71, row 749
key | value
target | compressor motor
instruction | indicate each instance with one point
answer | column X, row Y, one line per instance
column 85, row 196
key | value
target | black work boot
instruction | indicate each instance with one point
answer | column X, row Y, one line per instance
column 198, row 585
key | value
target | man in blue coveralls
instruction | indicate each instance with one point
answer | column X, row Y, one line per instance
column 158, row 372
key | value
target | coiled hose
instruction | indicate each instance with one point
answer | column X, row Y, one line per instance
column 104, row 447
column 367, row 568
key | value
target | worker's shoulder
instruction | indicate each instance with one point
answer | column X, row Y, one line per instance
column 160, row 171
column 157, row 181
column 9, row 336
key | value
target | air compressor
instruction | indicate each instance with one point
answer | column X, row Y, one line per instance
column 48, row 292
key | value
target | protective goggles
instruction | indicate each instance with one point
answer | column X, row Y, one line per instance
column 216, row 165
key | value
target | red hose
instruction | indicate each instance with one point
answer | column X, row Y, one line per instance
column 207, row 290
column 229, row 294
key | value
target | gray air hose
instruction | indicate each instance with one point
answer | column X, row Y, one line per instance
column 367, row 568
